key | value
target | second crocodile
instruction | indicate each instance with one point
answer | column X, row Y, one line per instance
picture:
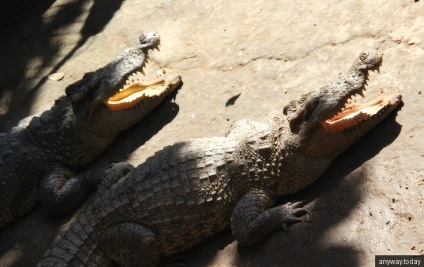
column 39, row 162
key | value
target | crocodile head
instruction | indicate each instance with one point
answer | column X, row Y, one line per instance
column 116, row 96
column 325, row 122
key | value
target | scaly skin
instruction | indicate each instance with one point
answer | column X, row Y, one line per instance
column 190, row 191
column 40, row 162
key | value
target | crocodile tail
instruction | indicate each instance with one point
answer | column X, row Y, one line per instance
column 76, row 247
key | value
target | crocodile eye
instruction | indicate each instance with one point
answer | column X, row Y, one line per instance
column 291, row 106
column 142, row 37
column 363, row 56
column 310, row 110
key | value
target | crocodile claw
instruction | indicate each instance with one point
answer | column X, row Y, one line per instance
column 293, row 213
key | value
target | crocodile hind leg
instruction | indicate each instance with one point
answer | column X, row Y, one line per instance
column 61, row 190
column 254, row 218
column 130, row 244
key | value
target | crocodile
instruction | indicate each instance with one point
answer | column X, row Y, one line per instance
column 191, row 190
column 42, row 161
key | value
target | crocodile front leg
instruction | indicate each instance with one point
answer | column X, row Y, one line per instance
column 130, row 244
column 112, row 173
column 61, row 191
column 254, row 218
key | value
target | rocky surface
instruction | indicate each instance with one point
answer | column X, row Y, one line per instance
column 241, row 60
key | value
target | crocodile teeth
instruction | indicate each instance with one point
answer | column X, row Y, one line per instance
column 134, row 77
column 137, row 89
column 356, row 113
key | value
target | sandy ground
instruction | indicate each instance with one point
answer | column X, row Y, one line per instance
column 239, row 60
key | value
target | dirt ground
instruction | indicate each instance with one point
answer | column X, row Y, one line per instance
column 239, row 60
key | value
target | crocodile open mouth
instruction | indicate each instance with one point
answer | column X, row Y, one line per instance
column 354, row 113
column 137, row 89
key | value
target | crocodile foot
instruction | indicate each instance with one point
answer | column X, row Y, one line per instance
column 293, row 213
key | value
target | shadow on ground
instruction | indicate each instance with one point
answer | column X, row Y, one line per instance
column 30, row 53
column 136, row 136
